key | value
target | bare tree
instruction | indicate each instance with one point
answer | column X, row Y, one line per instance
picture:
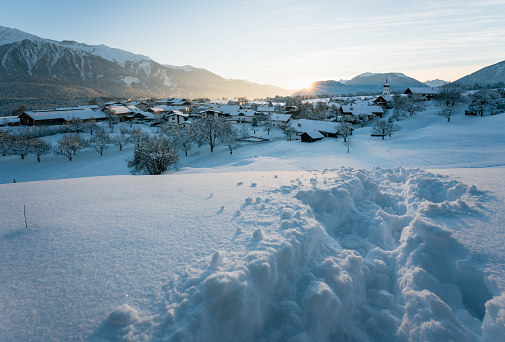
column 76, row 125
column 447, row 113
column 209, row 130
column 344, row 129
column 100, row 141
column 182, row 138
column 153, row 156
column 486, row 101
column 268, row 124
column 348, row 143
column 39, row 147
column 383, row 128
column 229, row 138
column 289, row 132
column 65, row 146
column 122, row 139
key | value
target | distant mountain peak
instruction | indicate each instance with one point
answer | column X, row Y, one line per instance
column 489, row 75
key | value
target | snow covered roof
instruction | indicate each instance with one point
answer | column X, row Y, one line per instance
column 314, row 134
column 173, row 101
column 266, row 109
column 156, row 110
column 245, row 112
column 177, row 112
column 280, row 117
column 169, row 108
column 84, row 114
column 304, row 125
column 8, row 119
column 362, row 109
column 423, row 90
column 120, row 110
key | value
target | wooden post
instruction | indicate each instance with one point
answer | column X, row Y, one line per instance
column 24, row 210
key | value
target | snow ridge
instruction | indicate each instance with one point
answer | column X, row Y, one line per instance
column 347, row 254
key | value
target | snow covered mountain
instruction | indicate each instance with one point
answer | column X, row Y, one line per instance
column 489, row 75
column 374, row 82
column 366, row 82
column 29, row 63
column 435, row 83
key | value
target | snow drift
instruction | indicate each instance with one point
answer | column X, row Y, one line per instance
column 343, row 255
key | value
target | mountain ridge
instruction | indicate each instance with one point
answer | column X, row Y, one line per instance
column 110, row 71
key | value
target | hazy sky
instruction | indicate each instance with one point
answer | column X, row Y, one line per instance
column 288, row 43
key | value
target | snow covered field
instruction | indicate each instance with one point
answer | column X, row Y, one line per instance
column 401, row 239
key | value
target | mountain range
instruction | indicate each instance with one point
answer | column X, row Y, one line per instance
column 366, row 83
column 33, row 67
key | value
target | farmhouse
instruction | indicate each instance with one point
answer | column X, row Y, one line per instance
column 174, row 102
column 352, row 112
column 59, row 117
column 311, row 136
column 175, row 117
column 422, row 93
column 9, row 121
column 122, row 112
column 325, row 128
column 280, row 120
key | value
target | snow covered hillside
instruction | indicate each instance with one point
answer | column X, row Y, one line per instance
column 279, row 241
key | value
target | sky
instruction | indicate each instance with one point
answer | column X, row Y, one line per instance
column 288, row 43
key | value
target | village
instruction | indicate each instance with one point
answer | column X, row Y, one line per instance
column 306, row 121
column 172, row 127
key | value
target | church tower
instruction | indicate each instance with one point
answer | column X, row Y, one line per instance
column 385, row 92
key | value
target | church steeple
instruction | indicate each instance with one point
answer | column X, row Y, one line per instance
column 385, row 92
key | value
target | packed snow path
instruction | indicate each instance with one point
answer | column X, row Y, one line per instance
column 333, row 255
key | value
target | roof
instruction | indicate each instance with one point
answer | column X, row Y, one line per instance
column 120, row 110
column 280, row 117
column 177, row 112
column 156, row 110
column 305, row 126
column 169, row 108
column 314, row 134
column 266, row 109
column 8, row 119
column 361, row 109
column 245, row 112
column 84, row 114
column 423, row 90
column 174, row 102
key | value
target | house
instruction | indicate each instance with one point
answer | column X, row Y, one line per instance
column 325, row 128
column 122, row 112
column 280, row 120
column 174, row 102
column 59, row 117
column 140, row 114
column 210, row 113
column 176, row 118
column 267, row 110
column 139, row 104
column 422, row 93
column 352, row 112
column 311, row 136
column 381, row 101
column 292, row 110
column 244, row 116
column 168, row 108
column 9, row 121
